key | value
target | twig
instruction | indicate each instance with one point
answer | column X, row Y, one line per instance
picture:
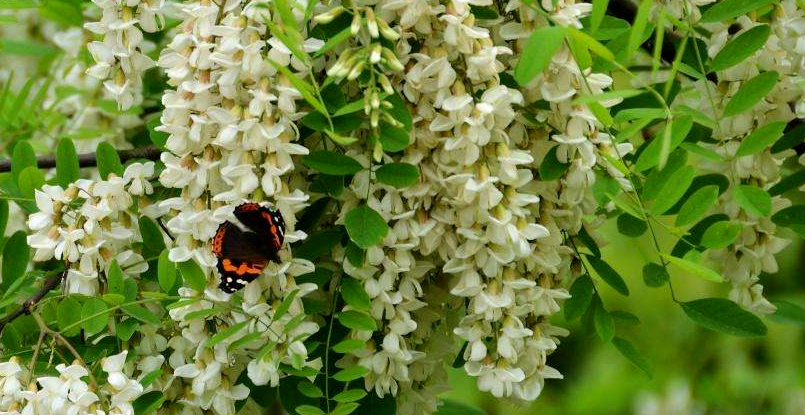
column 27, row 305
column 89, row 159
column 55, row 335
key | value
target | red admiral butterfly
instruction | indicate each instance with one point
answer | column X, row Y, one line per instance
column 242, row 254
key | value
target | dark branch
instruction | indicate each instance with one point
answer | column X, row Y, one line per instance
column 89, row 160
column 28, row 305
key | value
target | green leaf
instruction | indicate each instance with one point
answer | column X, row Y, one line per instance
column 551, row 168
column 604, row 325
column 351, row 373
column 114, row 278
column 788, row 313
column 694, row 268
column 285, row 305
column 659, row 178
column 150, row 377
column 393, row 139
column 113, row 299
column 790, row 139
column 95, row 316
column 308, row 410
column 753, row 200
column 652, row 155
column 750, row 93
column 126, row 328
column 792, row 215
column 627, row 349
column 357, row 320
column 722, row 315
column 720, row 234
column 590, row 43
column 697, row 205
column 153, row 242
column 365, row 226
column 398, row 175
column 537, row 52
column 400, row 111
column 30, row 180
column 740, row 48
column 308, row 389
column 148, row 402
column 108, row 160
column 654, row 275
column 226, row 333
column 761, row 138
column 67, row 169
column 334, row 41
column 351, row 395
column 193, row 275
column 348, row 345
column 673, row 190
column 625, row 317
column 608, row 274
column 332, row 163
column 597, row 16
column 166, row 272
column 728, row 9
column 141, row 313
column 581, row 292
column 16, row 254
column 67, row 314
column 318, row 244
column 159, row 138
column 354, row 294
column 3, row 216
column 790, row 182
column 631, row 226
column 638, row 28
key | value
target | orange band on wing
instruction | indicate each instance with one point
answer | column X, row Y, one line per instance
column 243, row 268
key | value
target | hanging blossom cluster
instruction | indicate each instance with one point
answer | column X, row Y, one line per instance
column 89, row 224
column 73, row 391
column 754, row 250
column 120, row 59
column 477, row 216
column 231, row 123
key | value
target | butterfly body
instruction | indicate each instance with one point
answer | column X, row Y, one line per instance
column 243, row 253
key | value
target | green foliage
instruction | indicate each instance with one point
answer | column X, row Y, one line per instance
column 722, row 315
column 740, row 48
column 399, row 175
column 537, row 53
column 365, row 226
column 108, row 160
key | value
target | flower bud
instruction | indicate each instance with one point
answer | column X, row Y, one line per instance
column 329, row 16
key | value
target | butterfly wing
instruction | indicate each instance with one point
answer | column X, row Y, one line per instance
column 241, row 256
column 266, row 222
column 235, row 273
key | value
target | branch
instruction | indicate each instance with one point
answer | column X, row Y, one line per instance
column 89, row 160
column 29, row 304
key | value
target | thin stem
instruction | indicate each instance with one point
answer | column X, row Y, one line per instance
column 43, row 328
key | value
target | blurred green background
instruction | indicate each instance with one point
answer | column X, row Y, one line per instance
column 695, row 371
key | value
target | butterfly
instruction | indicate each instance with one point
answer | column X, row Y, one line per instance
column 242, row 254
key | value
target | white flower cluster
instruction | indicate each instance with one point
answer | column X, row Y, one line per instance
column 753, row 252
column 69, row 392
column 89, row 224
column 120, row 58
column 477, row 214
column 230, row 121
